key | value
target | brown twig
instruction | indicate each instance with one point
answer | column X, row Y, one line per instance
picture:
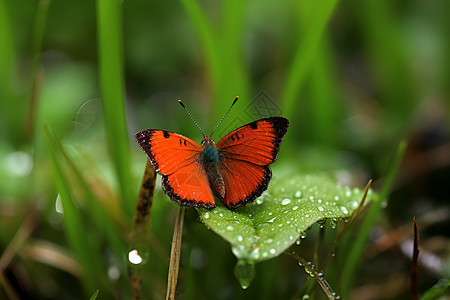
column 17, row 242
column 141, row 225
column 414, row 266
column 175, row 254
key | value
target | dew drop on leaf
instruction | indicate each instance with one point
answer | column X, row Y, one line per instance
column 285, row 201
column 244, row 272
column 344, row 210
column 333, row 223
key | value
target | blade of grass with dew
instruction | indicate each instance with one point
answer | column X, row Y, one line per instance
column 358, row 244
column 311, row 270
column 305, row 54
column 73, row 221
column 109, row 26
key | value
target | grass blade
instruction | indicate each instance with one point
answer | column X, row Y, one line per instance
column 112, row 87
column 73, row 221
column 305, row 54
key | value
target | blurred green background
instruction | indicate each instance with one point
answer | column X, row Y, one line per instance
column 79, row 78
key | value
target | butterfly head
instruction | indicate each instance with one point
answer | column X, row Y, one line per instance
column 207, row 141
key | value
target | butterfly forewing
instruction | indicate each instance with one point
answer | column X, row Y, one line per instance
column 247, row 152
column 175, row 157
column 257, row 142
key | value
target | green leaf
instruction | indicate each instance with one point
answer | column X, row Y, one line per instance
column 266, row 228
column 440, row 289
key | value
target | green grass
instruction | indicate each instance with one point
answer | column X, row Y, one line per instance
column 110, row 45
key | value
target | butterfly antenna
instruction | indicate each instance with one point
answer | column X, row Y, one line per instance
column 192, row 118
column 236, row 99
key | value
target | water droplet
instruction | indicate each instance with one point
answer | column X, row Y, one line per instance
column 18, row 164
column 319, row 200
column 348, row 193
column 295, row 207
column 259, row 201
column 254, row 255
column 303, row 235
column 298, row 194
column 240, row 238
column 333, row 223
column 344, row 210
column 320, row 208
column 354, row 204
column 113, row 272
column 230, row 228
column 244, row 272
column 271, row 220
column 221, row 214
column 206, row 215
column 239, row 251
column 58, row 205
column 285, row 201
column 134, row 257
column 336, row 198
column 272, row 251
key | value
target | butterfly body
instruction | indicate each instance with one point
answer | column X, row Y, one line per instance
column 235, row 170
column 211, row 158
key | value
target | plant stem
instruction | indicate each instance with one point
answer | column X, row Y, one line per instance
column 175, row 254
column 414, row 267
column 141, row 225
column 311, row 270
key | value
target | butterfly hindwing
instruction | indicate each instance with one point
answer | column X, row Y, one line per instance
column 175, row 157
column 247, row 153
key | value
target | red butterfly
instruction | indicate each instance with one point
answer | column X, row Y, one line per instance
column 236, row 170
